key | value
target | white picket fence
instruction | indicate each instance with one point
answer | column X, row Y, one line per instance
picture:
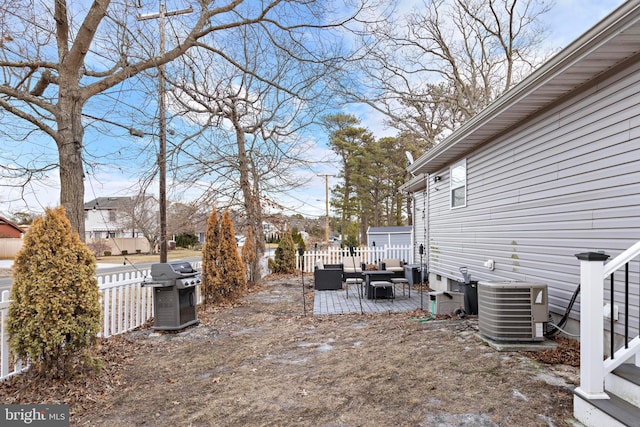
column 125, row 304
column 8, row 366
column 369, row 255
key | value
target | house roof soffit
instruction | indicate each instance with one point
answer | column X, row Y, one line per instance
column 415, row 184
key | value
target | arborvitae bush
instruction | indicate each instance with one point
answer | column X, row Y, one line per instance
column 223, row 275
column 210, row 256
column 54, row 315
column 232, row 267
column 350, row 235
column 249, row 257
column 284, row 260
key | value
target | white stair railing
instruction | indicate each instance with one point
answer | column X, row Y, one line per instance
column 593, row 369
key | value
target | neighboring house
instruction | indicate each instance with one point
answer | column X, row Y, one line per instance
column 270, row 230
column 10, row 238
column 548, row 170
column 200, row 228
column 110, row 217
column 390, row 236
column 9, row 230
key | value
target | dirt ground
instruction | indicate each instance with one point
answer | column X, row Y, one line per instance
column 263, row 363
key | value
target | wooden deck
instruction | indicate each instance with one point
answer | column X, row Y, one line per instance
column 336, row 302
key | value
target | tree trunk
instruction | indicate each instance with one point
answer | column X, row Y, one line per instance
column 251, row 197
column 70, row 137
column 255, row 220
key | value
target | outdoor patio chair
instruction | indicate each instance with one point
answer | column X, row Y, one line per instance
column 393, row 264
column 401, row 281
column 327, row 277
column 352, row 267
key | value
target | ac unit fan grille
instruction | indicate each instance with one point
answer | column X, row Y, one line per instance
column 505, row 313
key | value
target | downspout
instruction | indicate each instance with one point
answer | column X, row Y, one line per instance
column 413, row 230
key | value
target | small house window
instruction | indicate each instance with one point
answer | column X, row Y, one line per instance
column 458, row 184
column 112, row 216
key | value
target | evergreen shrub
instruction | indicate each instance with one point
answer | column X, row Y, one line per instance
column 284, row 260
column 54, row 315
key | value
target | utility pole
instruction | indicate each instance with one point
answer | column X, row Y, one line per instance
column 326, row 181
column 162, row 149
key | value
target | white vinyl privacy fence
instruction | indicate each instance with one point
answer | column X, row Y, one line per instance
column 126, row 305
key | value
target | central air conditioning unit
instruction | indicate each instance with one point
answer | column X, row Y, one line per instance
column 512, row 311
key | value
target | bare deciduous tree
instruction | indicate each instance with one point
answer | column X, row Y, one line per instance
column 58, row 61
column 449, row 60
column 183, row 218
column 250, row 118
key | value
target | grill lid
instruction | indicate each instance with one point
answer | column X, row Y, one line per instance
column 182, row 267
column 172, row 271
column 180, row 274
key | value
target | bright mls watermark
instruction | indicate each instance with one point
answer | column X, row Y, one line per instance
column 34, row 415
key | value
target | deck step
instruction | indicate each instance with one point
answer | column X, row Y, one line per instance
column 629, row 372
column 624, row 382
column 612, row 412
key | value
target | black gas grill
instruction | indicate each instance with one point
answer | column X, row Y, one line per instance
column 174, row 297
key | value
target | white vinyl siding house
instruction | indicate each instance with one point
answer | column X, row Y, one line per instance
column 110, row 217
column 552, row 169
column 567, row 182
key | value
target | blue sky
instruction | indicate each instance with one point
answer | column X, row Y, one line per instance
column 567, row 21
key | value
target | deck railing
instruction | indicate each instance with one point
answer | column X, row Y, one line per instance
column 594, row 274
